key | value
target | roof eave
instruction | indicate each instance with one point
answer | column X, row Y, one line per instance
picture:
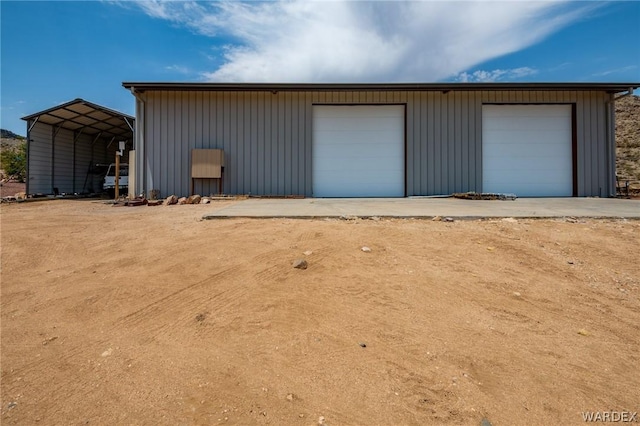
column 76, row 101
column 169, row 86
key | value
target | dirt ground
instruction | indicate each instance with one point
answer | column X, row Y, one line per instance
column 11, row 188
column 148, row 315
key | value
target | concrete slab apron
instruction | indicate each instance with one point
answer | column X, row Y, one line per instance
column 429, row 207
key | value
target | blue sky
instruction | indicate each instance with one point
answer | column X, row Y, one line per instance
column 55, row 51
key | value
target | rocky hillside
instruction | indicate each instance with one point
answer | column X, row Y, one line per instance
column 9, row 144
column 8, row 134
column 628, row 138
column 9, row 140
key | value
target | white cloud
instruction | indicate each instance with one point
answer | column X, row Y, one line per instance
column 367, row 41
column 615, row 71
column 496, row 75
column 180, row 69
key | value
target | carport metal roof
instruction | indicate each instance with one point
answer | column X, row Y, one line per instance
column 87, row 117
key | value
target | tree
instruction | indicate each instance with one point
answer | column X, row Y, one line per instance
column 14, row 162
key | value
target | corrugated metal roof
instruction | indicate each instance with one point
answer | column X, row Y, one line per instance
column 91, row 118
column 608, row 87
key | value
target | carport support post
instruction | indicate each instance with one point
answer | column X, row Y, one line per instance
column 30, row 125
column 117, row 189
column 76, row 136
column 54, row 133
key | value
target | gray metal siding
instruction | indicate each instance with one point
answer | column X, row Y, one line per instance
column 267, row 138
column 66, row 159
column 40, row 159
column 63, row 161
column 83, row 159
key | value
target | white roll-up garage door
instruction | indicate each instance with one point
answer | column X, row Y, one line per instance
column 526, row 150
column 358, row 151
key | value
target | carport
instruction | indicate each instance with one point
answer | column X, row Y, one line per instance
column 67, row 145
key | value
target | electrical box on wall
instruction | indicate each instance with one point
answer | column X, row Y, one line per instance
column 207, row 164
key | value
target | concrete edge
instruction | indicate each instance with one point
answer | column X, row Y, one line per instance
column 351, row 217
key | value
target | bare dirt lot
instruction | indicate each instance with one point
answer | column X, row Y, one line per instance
column 11, row 188
column 149, row 315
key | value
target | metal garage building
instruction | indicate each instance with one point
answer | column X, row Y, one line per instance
column 64, row 144
column 380, row 140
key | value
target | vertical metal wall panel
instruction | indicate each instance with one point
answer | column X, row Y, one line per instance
column 438, row 154
column 410, row 154
column 267, row 137
column 83, row 160
column 67, row 157
column 63, row 161
column 593, row 146
column 99, row 156
column 581, row 153
column 40, row 159
column 308, row 136
column 599, row 117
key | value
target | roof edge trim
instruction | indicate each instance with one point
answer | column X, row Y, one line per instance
column 74, row 102
column 168, row 86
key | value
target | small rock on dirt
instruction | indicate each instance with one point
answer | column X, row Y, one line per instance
column 447, row 219
column 182, row 200
column 375, row 218
column 437, row 218
column 366, row 249
column 321, row 421
column 583, row 332
column 154, row 194
column 362, row 344
column 171, row 199
column 571, row 220
column 308, row 253
column 485, row 422
column 290, row 397
column 107, row 353
column 194, row 199
column 510, row 220
column 300, row 264
column 49, row 340
column 205, row 201
column 21, row 196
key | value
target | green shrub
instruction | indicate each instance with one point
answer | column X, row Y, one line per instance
column 14, row 162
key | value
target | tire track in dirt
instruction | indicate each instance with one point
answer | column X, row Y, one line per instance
column 183, row 305
column 180, row 298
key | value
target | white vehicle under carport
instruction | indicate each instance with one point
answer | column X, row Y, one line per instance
column 109, row 183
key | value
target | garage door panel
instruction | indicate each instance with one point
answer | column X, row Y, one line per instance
column 515, row 111
column 342, row 123
column 507, row 153
column 527, row 150
column 358, row 151
column 348, row 143
column 522, row 175
column 367, row 189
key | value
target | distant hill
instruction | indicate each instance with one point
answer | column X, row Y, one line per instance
column 628, row 138
column 8, row 134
